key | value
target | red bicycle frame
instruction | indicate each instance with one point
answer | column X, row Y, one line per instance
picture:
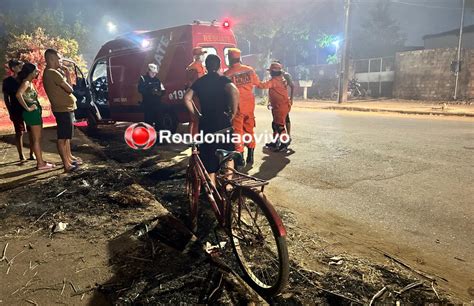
column 218, row 203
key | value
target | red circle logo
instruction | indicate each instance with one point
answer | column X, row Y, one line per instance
column 140, row 136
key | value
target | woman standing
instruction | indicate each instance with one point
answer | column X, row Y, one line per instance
column 28, row 98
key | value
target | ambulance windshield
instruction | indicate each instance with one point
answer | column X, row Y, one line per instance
column 226, row 51
column 210, row 50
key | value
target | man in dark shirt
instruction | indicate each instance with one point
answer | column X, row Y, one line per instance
column 151, row 89
column 10, row 86
column 219, row 99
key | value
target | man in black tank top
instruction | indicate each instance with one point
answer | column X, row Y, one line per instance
column 219, row 99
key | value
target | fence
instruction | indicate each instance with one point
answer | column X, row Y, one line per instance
column 376, row 75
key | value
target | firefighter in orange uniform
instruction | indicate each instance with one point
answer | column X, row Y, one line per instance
column 245, row 78
column 280, row 104
column 194, row 71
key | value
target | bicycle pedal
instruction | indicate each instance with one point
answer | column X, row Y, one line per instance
column 214, row 250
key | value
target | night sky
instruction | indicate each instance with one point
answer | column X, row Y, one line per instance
column 416, row 17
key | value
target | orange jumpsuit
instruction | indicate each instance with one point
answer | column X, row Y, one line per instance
column 278, row 96
column 245, row 78
column 194, row 71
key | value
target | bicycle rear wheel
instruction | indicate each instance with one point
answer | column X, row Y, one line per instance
column 256, row 240
column 193, row 190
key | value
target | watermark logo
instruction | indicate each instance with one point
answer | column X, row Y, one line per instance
column 140, row 136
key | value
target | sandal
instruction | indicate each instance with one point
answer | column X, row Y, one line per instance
column 71, row 169
column 47, row 166
column 32, row 157
column 77, row 162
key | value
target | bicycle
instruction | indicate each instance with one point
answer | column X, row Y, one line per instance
column 257, row 233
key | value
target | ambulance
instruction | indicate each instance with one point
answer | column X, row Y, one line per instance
column 109, row 93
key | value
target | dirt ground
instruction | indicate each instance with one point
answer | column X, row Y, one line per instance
column 125, row 242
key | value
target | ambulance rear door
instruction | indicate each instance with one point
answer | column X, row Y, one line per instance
column 124, row 74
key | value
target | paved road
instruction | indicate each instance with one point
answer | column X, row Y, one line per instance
column 401, row 183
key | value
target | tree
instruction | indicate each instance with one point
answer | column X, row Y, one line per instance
column 379, row 35
column 51, row 21
column 70, row 35
column 287, row 31
column 329, row 41
column 31, row 47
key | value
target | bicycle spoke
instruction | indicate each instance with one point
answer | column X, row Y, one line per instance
column 254, row 240
column 250, row 214
column 261, row 251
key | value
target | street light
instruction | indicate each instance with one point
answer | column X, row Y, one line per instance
column 336, row 44
column 111, row 27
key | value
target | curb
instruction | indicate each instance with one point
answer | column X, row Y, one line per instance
column 363, row 109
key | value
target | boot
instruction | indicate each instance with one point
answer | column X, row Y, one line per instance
column 271, row 145
column 282, row 147
column 239, row 161
column 250, row 155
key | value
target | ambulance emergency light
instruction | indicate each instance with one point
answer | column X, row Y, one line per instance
column 145, row 43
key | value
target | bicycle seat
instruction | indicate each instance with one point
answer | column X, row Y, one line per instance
column 225, row 156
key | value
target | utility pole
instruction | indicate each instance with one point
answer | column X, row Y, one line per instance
column 344, row 73
column 458, row 61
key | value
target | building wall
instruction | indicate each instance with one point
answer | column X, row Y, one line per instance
column 450, row 41
column 426, row 74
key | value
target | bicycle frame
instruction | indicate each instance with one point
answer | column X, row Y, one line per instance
column 244, row 233
column 218, row 203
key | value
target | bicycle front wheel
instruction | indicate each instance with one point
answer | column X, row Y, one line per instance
column 257, row 241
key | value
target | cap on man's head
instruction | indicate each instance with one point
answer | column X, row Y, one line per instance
column 198, row 51
column 153, row 68
column 234, row 53
column 275, row 66
column 13, row 63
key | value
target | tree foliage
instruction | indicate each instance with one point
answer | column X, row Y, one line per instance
column 326, row 40
column 26, row 34
column 287, row 31
column 31, row 47
column 379, row 35
column 53, row 22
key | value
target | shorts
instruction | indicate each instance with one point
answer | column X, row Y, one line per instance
column 207, row 154
column 34, row 117
column 18, row 122
column 65, row 124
